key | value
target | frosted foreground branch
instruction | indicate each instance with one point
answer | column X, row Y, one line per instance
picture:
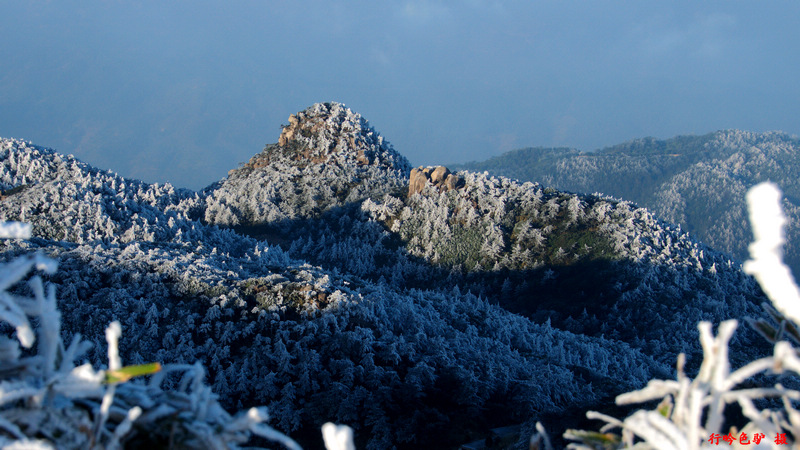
column 766, row 253
column 15, row 230
column 690, row 414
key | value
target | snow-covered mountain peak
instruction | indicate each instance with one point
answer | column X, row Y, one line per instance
column 328, row 156
column 331, row 133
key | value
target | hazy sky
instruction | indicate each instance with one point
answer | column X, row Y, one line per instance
column 183, row 91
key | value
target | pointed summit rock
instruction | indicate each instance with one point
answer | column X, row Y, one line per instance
column 327, row 156
column 331, row 133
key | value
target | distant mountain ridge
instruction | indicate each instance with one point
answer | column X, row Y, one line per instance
column 698, row 182
column 310, row 281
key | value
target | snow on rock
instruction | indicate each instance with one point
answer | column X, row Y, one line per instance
column 331, row 132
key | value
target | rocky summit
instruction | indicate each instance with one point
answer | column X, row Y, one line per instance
column 326, row 157
column 331, row 133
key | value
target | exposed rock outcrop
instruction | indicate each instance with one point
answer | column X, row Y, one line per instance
column 439, row 176
column 289, row 130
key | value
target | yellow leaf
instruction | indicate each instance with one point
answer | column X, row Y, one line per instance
column 126, row 373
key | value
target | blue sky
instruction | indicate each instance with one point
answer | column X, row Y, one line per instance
column 182, row 91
